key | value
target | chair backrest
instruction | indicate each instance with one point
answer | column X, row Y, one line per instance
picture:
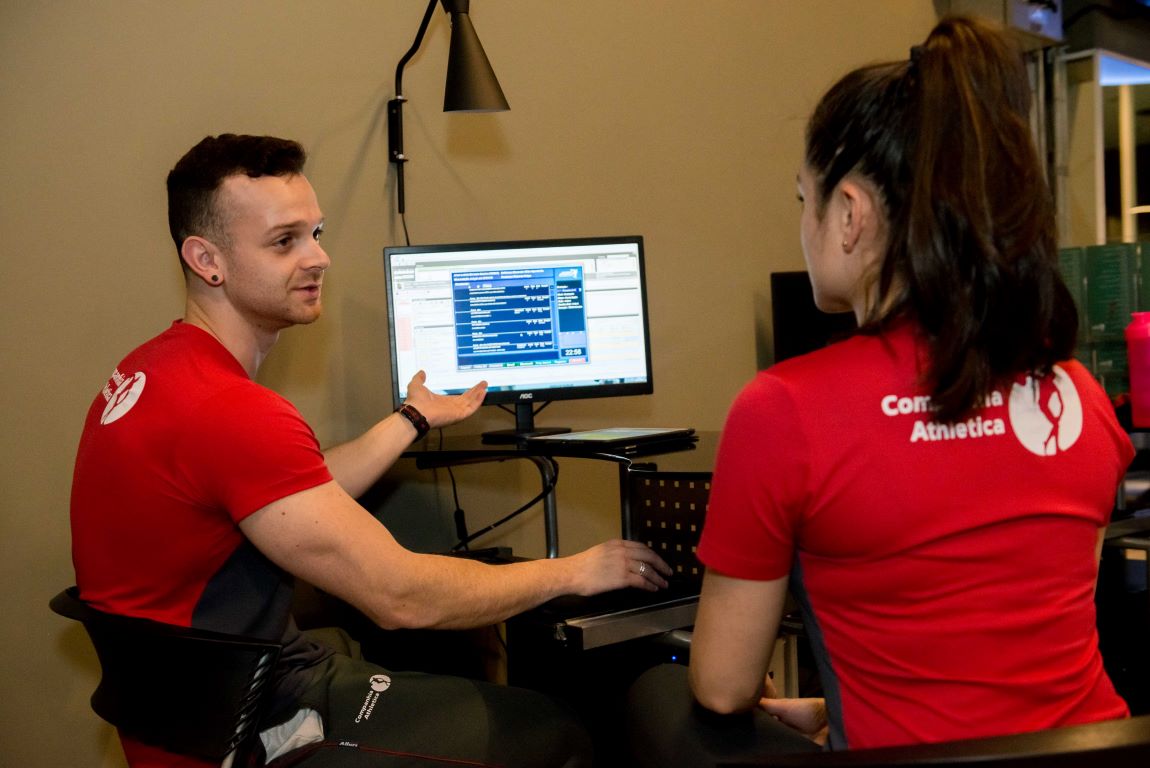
column 184, row 690
column 1108, row 744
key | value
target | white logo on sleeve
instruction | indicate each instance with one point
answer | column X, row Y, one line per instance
column 125, row 396
column 1046, row 414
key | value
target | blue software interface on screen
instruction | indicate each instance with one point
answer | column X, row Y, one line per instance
column 519, row 317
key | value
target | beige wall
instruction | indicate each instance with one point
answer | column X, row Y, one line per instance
column 676, row 119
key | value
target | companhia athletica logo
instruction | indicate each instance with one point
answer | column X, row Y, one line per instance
column 127, row 391
column 925, row 429
column 1046, row 414
column 378, row 684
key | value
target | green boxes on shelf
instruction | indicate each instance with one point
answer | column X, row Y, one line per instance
column 1072, row 264
column 1108, row 364
column 1108, row 282
column 1112, row 289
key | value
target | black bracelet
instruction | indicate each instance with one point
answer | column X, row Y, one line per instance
column 412, row 414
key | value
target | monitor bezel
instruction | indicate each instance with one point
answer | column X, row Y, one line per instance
column 521, row 397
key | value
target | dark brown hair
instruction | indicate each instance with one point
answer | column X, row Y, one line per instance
column 972, row 256
column 196, row 178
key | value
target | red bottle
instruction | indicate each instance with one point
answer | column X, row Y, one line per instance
column 1138, row 358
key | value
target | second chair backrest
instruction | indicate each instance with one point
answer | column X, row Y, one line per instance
column 1107, row 744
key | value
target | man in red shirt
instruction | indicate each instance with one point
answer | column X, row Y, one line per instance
column 198, row 494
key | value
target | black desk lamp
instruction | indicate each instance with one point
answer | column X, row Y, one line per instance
column 471, row 84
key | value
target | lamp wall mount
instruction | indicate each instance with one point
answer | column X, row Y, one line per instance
column 471, row 84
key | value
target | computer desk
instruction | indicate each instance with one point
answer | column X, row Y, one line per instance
column 681, row 458
column 662, row 501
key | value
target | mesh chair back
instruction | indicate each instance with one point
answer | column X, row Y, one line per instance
column 184, row 690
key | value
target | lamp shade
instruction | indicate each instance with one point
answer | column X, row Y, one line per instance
column 471, row 84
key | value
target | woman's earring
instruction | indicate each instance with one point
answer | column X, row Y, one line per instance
column 216, row 278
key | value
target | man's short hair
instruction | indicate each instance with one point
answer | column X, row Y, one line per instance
column 194, row 182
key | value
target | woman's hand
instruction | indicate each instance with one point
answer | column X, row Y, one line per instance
column 807, row 716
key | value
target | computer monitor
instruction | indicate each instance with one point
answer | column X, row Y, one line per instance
column 799, row 325
column 539, row 320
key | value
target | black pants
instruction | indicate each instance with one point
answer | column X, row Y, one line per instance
column 667, row 728
column 374, row 718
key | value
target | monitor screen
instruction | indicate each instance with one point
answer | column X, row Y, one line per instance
column 539, row 320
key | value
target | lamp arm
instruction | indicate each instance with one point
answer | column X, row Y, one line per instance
column 414, row 47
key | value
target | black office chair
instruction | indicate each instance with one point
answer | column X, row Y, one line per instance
column 1109, row 744
column 184, row 690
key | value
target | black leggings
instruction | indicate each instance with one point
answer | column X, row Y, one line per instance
column 375, row 718
column 666, row 727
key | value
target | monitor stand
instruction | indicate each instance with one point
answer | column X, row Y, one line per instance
column 524, row 427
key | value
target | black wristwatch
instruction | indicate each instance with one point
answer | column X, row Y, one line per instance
column 412, row 414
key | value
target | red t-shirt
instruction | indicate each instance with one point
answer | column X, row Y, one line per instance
column 947, row 572
column 178, row 447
